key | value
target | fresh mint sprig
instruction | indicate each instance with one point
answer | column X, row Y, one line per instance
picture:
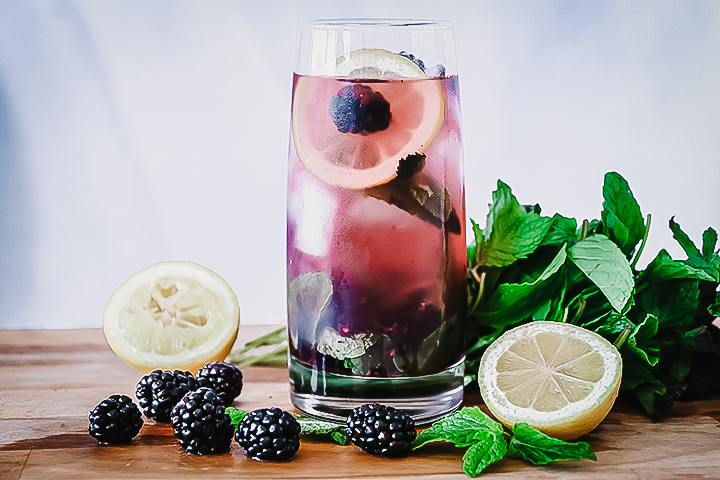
column 523, row 266
column 488, row 442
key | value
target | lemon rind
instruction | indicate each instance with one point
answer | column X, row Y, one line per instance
column 497, row 402
column 218, row 344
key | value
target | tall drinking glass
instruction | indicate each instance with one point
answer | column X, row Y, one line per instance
column 376, row 252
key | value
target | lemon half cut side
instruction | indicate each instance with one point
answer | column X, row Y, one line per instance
column 172, row 315
column 557, row 377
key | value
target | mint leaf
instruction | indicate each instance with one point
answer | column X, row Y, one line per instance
column 479, row 241
column 312, row 426
column 489, row 448
column 624, row 224
column 538, row 448
column 673, row 302
column 710, row 263
column 714, row 309
column 463, row 428
column 340, row 437
column 513, row 302
column 710, row 238
column 235, row 415
column 640, row 340
column 562, row 230
column 468, row 427
column 511, row 232
column 682, row 238
column 606, row 266
column 663, row 267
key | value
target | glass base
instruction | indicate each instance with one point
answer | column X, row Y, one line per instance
column 332, row 397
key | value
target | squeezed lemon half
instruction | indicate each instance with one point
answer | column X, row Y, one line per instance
column 172, row 315
column 558, row 378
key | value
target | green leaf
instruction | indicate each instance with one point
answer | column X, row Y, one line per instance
column 463, row 428
column 477, row 244
column 538, row 448
column 647, row 393
column 489, row 448
column 511, row 231
column 710, row 238
column 610, row 326
column 682, row 238
column 514, row 302
column 562, row 230
column 340, row 437
column 606, row 266
column 714, row 308
column 235, row 415
column 635, row 373
column 673, row 302
column 640, row 340
column 663, row 267
column 624, row 224
column 312, row 426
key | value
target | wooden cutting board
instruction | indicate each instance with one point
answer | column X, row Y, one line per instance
column 51, row 379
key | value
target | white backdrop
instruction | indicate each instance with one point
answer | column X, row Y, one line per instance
column 136, row 131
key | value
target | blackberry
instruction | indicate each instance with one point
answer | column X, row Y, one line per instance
column 224, row 378
column 200, row 423
column 359, row 109
column 413, row 59
column 115, row 420
column 381, row 430
column 159, row 391
column 269, row 434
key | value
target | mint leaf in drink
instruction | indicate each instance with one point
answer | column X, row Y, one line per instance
column 605, row 265
column 511, row 232
column 623, row 222
column 538, row 448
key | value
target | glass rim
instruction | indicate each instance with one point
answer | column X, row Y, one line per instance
column 381, row 22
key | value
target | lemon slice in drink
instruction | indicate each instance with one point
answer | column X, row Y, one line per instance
column 358, row 161
column 558, row 378
column 172, row 315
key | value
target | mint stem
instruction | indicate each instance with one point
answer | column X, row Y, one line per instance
column 642, row 244
column 623, row 337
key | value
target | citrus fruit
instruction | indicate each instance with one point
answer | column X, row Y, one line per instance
column 354, row 160
column 172, row 315
column 558, row 378
column 376, row 63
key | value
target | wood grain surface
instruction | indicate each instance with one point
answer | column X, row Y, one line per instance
column 51, row 379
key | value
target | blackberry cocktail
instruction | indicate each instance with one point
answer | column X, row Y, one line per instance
column 376, row 223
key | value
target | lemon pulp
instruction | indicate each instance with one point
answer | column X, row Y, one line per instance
column 172, row 315
column 557, row 377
